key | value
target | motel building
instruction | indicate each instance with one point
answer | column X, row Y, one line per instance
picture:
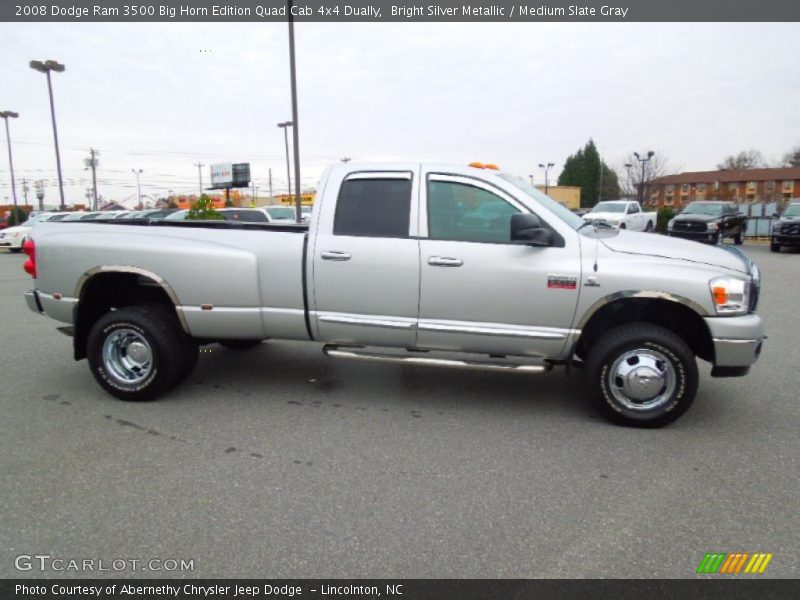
column 746, row 186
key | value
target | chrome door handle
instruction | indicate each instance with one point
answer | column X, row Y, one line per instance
column 444, row 261
column 335, row 255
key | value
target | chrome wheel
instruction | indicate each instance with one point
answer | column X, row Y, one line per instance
column 642, row 379
column 127, row 356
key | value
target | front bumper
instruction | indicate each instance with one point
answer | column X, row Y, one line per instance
column 786, row 240
column 697, row 236
column 737, row 343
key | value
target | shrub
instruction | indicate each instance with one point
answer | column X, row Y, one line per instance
column 663, row 217
column 203, row 210
column 16, row 216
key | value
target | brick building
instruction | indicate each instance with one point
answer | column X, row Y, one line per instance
column 740, row 186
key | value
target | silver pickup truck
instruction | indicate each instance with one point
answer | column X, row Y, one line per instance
column 441, row 265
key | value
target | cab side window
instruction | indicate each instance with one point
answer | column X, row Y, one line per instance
column 461, row 212
column 373, row 207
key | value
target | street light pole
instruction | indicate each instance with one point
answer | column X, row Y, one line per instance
column 91, row 163
column 45, row 67
column 6, row 115
column 546, row 173
column 284, row 125
column 138, row 185
column 644, row 161
column 298, row 211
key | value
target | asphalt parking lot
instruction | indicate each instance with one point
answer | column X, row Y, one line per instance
column 278, row 462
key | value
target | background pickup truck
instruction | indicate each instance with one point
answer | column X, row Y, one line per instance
column 438, row 265
column 710, row 222
column 622, row 214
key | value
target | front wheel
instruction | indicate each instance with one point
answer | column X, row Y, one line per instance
column 622, row 226
column 649, row 227
column 738, row 239
column 641, row 375
column 139, row 352
column 774, row 247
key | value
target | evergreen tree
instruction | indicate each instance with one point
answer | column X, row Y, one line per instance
column 583, row 169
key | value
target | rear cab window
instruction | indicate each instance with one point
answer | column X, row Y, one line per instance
column 374, row 205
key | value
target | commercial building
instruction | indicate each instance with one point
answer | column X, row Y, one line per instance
column 745, row 186
column 568, row 195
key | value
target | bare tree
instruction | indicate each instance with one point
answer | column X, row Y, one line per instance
column 792, row 158
column 747, row 159
column 630, row 177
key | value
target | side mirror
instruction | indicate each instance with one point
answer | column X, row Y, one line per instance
column 527, row 228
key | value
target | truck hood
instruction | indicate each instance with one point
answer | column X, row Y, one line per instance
column 648, row 244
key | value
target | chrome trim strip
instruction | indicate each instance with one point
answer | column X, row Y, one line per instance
column 379, row 175
column 518, row 332
column 368, row 322
column 221, row 309
column 641, row 294
column 335, row 352
column 732, row 341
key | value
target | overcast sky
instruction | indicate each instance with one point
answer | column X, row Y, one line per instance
column 160, row 97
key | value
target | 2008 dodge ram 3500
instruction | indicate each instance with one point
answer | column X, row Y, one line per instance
column 423, row 264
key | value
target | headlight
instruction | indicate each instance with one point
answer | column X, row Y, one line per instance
column 712, row 226
column 731, row 296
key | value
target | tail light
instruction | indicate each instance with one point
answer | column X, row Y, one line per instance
column 29, row 248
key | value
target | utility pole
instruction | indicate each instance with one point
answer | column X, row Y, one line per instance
column 91, row 163
column 200, row 175
column 270, row 185
column 138, row 186
column 39, row 187
column 25, row 190
column 89, row 195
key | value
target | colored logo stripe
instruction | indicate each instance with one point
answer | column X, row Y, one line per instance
column 723, row 563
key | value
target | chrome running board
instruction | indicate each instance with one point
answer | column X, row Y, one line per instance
column 350, row 353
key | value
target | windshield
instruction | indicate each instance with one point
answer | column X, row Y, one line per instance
column 557, row 209
column 792, row 211
column 713, row 210
column 280, row 212
column 612, row 207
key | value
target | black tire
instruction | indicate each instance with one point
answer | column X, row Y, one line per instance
column 651, row 350
column 622, row 226
column 162, row 348
column 191, row 352
column 716, row 239
column 240, row 344
column 738, row 239
column 649, row 227
column 774, row 247
column 15, row 250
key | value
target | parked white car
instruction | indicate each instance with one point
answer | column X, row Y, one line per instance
column 622, row 214
column 11, row 238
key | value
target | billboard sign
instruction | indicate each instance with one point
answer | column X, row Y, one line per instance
column 230, row 175
column 221, row 175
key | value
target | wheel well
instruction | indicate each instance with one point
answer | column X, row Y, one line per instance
column 106, row 291
column 670, row 315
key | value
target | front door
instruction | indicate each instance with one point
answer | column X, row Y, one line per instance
column 481, row 293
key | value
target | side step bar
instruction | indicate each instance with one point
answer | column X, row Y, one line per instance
column 349, row 353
